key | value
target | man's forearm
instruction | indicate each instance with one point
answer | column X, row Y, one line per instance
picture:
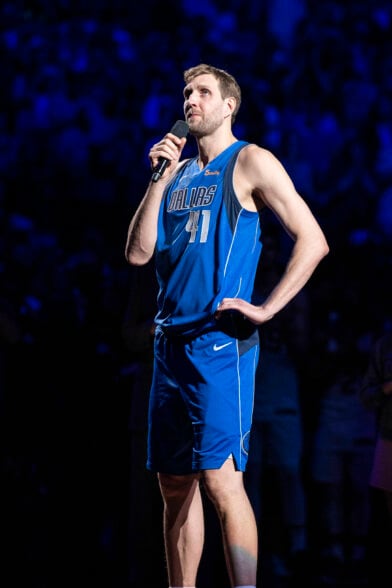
column 142, row 231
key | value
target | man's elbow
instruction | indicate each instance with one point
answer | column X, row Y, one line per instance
column 323, row 248
column 319, row 245
column 136, row 257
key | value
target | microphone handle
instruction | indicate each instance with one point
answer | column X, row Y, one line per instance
column 180, row 129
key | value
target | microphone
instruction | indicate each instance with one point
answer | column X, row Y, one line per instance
column 179, row 129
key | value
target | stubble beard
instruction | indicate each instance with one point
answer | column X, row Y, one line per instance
column 203, row 127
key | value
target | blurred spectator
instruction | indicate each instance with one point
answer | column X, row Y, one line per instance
column 340, row 464
column 376, row 393
column 274, row 475
column 144, row 499
column 77, row 103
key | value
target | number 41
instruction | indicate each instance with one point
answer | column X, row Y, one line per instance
column 192, row 226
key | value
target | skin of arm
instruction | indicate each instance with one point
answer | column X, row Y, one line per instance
column 142, row 231
column 261, row 180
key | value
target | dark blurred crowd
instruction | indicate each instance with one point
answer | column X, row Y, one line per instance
column 86, row 88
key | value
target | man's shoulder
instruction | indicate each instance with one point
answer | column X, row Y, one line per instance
column 253, row 153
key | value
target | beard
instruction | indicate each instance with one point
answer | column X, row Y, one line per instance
column 201, row 127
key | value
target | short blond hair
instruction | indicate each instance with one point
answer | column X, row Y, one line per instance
column 228, row 85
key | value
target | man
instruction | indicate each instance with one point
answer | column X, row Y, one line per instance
column 201, row 220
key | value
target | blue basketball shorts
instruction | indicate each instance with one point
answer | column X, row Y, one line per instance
column 201, row 402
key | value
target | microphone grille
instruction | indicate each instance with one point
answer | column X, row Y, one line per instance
column 180, row 129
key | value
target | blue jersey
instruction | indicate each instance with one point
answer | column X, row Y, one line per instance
column 208, row 245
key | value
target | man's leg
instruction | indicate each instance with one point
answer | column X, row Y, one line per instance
column 226, row 490
column 183, row 527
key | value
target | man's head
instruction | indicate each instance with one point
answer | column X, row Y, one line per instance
column 228, row 85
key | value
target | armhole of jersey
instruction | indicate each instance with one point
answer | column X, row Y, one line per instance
column 182, row 165
column 232, row 204
column 179, row 171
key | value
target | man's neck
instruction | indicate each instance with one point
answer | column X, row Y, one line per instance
column 211, row 146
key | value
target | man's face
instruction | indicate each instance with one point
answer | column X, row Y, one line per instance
column 204, row 107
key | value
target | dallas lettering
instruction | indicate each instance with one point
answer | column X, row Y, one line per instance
column 199, row 196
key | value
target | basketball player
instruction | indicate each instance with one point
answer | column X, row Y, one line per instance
column 200, row 218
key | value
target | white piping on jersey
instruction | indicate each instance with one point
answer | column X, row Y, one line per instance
column 256, row 233
column 176, row 239
column 232, row 242
column 239, row 402
column 254, row 381
column 239, row 288
column 242, row 448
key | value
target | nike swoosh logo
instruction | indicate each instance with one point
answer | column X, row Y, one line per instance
column 218, row 347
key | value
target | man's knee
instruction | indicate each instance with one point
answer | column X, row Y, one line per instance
column 223, row 484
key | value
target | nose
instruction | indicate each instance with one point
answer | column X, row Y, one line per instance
column 191, row 98
column 189, row 104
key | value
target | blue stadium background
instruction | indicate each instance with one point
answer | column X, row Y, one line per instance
column 86, row 88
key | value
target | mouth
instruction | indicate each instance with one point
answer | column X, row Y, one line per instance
column 191, row 115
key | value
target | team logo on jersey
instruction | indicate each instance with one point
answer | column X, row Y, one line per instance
column 184, row 199
column 212, row 173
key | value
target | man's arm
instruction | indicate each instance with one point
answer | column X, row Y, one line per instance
column 142, row 231
column 268, row 181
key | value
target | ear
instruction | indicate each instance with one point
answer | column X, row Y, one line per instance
column 230, row 104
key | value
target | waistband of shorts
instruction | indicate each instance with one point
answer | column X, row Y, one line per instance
column 232, row 323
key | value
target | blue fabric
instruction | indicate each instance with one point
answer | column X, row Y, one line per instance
column 201, row 402
column 208, row 246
